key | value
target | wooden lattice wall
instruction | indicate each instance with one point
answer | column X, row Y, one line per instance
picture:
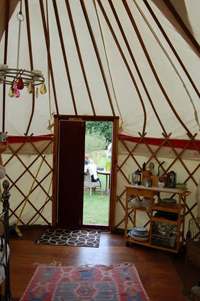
column 25, row 171
column 188, row 170
column 30, row 176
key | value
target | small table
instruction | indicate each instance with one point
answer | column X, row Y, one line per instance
column 107, row 174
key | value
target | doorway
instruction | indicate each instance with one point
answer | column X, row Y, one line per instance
column 98, row 151
column 68, row 179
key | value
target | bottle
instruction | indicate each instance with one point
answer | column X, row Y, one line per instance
column 108, row 165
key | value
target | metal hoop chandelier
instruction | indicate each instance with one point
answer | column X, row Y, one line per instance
column 18, row 78
column 8, row 75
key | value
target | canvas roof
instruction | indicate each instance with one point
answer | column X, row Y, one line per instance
column 135, row 59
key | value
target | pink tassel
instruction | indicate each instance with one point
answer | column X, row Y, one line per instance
column 14, row 86
column 17, row 93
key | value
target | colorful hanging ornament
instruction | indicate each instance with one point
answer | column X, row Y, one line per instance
column 14, row 86
column 17, row 93
column 43, row 89
column 20, row 84
column 18, row 77
column 30, row 88
column 11, row 92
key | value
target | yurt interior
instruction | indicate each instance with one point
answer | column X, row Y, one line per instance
column 102, row 96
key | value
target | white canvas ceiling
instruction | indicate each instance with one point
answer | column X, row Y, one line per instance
column 135, row 59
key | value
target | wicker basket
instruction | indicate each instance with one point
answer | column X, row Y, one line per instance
column 168, row 242
column 193, row 251
column 193, row 242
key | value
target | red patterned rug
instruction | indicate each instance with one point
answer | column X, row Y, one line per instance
column 100, row 283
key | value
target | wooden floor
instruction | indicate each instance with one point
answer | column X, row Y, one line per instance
column 156, row 268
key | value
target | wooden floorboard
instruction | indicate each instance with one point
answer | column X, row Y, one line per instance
column 155, row 267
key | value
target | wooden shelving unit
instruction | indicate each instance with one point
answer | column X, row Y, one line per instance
column 154, row 193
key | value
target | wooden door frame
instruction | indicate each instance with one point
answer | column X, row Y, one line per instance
column 113, row 182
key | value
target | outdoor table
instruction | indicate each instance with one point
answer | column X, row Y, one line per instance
column 107, row 174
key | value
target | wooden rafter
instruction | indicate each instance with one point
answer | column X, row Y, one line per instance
column 181, row 23
column 31, row 62
column 136, row 30
column 80, row 55
column 172, row 47
column 136, row 66
column 5, row 60
column 97, row 54
column 46, row 35
column 125, row 62
column 64, row 56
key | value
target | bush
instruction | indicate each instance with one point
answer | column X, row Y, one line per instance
column 94, row 141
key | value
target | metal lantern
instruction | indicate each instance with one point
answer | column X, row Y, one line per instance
column 171, row 179
column 136, row 177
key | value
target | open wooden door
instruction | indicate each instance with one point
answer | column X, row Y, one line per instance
column 71, row 148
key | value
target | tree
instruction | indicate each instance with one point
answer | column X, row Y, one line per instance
column 94, row 141
column 104, row 128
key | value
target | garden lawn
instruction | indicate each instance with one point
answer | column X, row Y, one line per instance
column 96, row 207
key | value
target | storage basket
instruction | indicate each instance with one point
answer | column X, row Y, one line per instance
column 168, row 242
column 164, row 234
column 193, row 242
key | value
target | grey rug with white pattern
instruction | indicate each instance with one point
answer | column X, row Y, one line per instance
column 63, row 237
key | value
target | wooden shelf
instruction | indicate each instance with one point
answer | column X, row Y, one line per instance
column 178, row 208
column 132, row 240
column 163, row 220
column 139, row 209
column 167, row 221
column 168, row 207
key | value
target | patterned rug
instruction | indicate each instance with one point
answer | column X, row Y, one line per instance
column 63, row 237
column 118, row 283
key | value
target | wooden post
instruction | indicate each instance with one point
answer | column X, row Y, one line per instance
column 5, row 197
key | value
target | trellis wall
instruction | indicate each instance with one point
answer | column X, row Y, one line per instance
column 29, row 171
column 22, row 162
column 184, row 161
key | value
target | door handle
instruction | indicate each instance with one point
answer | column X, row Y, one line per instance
column 82, row 174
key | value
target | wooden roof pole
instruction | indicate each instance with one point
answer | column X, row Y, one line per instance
column 136, row 66
column 172, row 47
column 153, row 69
column 64, row 55
column 181, row 23
column 31, row 62
column 5, row 60
column 46, row 35
column 97, row 54
column 125, row 61
column 80, row 56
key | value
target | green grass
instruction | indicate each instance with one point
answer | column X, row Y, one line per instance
column 96, row 207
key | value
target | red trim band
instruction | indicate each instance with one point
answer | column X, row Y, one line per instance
column 157, row 141
column 22, row 139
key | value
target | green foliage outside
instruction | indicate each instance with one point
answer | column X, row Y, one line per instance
column 98, row 137
column 94, row 141
column 104, row 129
